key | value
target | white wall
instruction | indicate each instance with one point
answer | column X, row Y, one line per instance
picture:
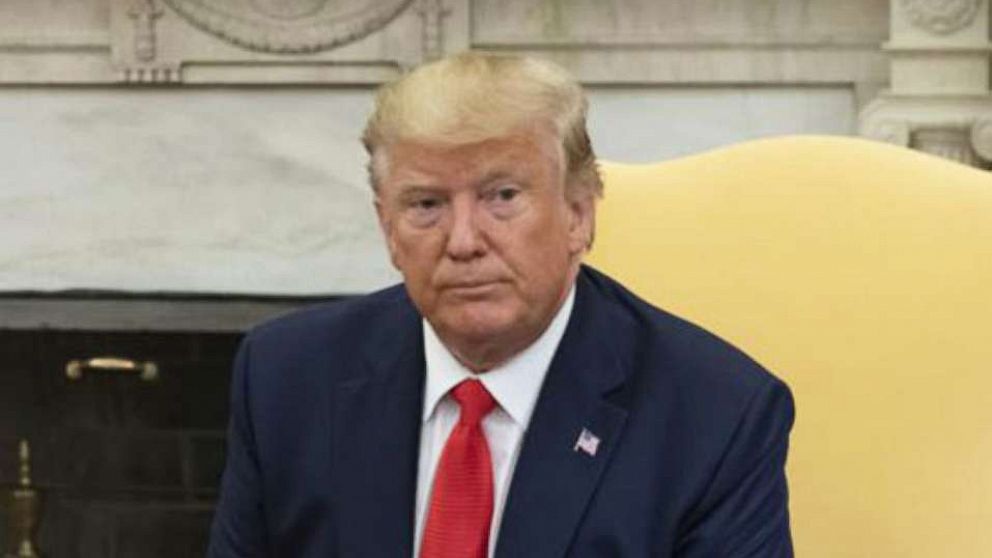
column 199, row 190
column 638, row 125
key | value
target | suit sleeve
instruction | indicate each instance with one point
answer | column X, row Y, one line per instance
column 744, row 512
column 239, row 528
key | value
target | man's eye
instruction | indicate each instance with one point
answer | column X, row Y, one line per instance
column 505, row 201
column 426, row 203
column 507, row 194
column 504, row 194
column 423, row 211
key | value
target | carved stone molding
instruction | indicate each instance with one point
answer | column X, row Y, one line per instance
column 433, row 13
column 278, row 41
column 941, row 17
column 957, row 128
column 888, row 130
column 139, row 61
column 289, row 26
column 949, row 143
column 144, row 13
column 981, row 137
column 150, row 74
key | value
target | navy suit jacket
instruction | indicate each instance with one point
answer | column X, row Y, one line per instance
column 325, row 431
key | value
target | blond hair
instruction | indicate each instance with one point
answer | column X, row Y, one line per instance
column 474, row 96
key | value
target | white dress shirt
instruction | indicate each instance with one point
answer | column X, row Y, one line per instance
column 514, row 385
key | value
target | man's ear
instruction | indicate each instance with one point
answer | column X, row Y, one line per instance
column 380, row 214
column 582, row 221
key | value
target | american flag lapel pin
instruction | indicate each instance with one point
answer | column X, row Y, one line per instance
column 587, row 443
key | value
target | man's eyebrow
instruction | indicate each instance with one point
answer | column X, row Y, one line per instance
column 496, row 176
column 416, row 189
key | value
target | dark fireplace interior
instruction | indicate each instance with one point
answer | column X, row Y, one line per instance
column 125, row 465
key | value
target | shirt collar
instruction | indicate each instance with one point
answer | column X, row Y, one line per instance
column 515, row 384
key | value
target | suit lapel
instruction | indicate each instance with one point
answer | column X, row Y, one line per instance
column 376, row 437
column 554, row 477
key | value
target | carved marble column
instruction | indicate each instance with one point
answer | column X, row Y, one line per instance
column 940, row 99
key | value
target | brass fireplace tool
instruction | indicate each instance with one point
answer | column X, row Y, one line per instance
column 25, row 508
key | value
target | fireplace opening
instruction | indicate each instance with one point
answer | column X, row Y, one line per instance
column 122, row 400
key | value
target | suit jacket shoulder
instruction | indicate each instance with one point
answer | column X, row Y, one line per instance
column 711, row 424
column 331, row 332
column 324, row 404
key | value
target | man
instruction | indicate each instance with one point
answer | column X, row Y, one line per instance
column 505, row 400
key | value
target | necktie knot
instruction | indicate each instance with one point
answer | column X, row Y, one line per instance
column 475, row 401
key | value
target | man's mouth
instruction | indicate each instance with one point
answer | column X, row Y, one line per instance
column 471, row 288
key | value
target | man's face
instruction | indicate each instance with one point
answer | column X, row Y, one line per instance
column 485, row 238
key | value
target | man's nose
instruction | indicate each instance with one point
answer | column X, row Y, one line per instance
column 465, row 239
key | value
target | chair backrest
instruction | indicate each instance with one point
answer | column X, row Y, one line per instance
column 861, row 274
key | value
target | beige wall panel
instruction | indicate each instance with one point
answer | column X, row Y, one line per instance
column 673, row 21
column 54, row 21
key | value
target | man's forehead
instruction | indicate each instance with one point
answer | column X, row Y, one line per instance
column 424, row 174
column 483, row 154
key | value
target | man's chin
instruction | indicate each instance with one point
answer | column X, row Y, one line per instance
column 477, row 322
column 479, row 347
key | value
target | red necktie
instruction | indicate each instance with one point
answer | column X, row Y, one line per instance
column 462, row 499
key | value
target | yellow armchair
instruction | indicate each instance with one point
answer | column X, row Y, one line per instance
column 861, row 274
